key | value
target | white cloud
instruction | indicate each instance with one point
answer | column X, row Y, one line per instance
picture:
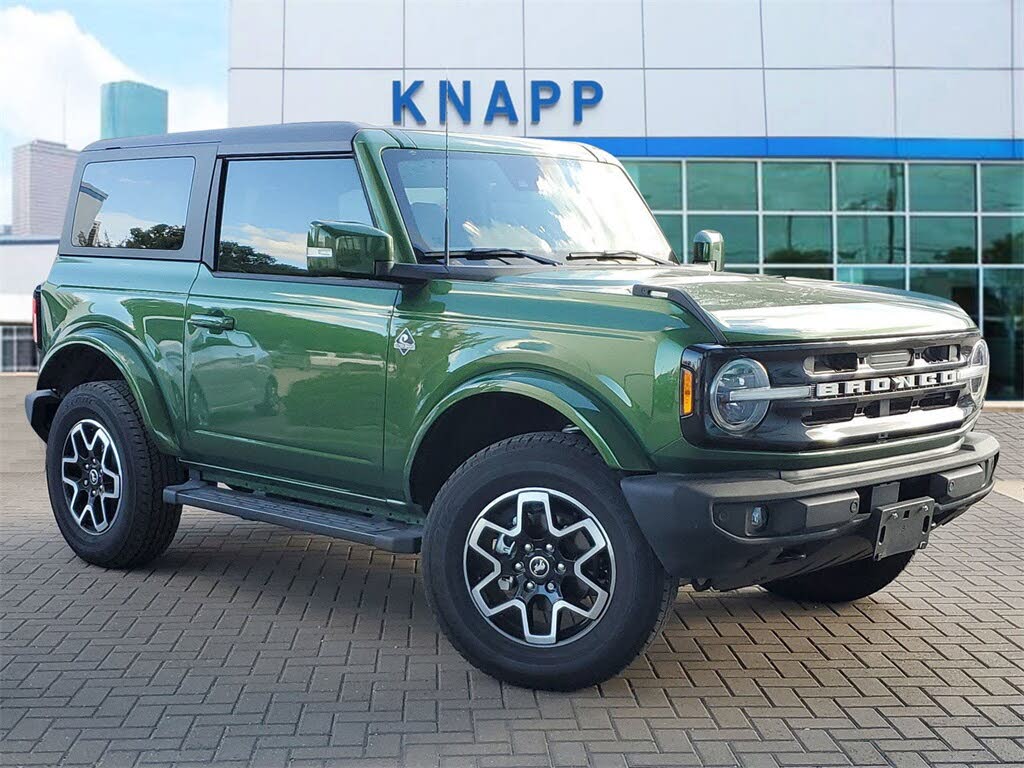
column 195, row 108
column 52, row 71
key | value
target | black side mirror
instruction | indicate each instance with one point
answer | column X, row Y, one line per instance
column 347, row 249
column 709, row 248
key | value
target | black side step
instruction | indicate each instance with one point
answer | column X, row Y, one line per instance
column 351, row 526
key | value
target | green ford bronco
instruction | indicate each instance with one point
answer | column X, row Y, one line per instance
column 484, row 350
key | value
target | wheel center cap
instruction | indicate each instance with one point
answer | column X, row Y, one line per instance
column 94, row 476
column 539, row 566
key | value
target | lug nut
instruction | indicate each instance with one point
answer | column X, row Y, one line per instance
column 519, row 566
column 530, row 586
column 560, row 567
column 550, row 548
column 528, row 547
column 551, row 586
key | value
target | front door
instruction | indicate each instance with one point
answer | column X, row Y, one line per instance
column 285, row 372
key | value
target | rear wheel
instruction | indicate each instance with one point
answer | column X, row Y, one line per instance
column 842, row 583
column 536, row 569
column 106, row 478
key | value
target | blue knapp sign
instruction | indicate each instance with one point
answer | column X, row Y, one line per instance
column 544, row 94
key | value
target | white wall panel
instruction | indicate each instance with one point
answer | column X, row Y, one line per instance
column 952, row 33
column 1018, row 34
column 256, row 33
column 464, row 33
column 953, row 104
column 620, row 112
column 829, row 102
column 1018, row 103
column 837, row 33
column 583, row 33
column 339, row 94
column 254, row 96
column 481, row 86
column 343, row 33
column 702, row 33
column 720, row 102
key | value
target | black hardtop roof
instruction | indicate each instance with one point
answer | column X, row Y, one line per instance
column 281, row 133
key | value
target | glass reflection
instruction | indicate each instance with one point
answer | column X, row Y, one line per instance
column 268, row 205
column 871, row 239
column 547, row 206
column 797, row 239
column 942, row 240
column 133, row 204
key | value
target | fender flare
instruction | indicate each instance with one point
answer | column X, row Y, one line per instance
column 136, row 373
column 614, row 441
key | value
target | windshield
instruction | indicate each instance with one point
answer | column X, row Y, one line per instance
column 538, row 206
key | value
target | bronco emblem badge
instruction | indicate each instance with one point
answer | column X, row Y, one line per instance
column 405, row 343
column 885, row 384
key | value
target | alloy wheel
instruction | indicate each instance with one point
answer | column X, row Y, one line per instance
column 91, row 476
column 539, row 566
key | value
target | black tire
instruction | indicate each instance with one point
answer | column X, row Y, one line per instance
column 142, row 525
column 842, row 583
column 634, row 612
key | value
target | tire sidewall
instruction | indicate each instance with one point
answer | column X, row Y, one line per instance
column 78, row 405
column 627, row 621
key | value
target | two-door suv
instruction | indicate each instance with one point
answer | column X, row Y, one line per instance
column 484, row 350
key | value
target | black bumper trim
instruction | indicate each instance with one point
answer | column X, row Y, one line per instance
column 676, row 514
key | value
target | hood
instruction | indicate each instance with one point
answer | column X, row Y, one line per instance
column 767, row 308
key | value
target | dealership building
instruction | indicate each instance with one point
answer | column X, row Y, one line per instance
column 874, row 141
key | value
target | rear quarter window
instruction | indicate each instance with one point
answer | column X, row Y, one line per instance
column 134, row 204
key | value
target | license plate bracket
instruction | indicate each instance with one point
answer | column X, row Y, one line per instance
column 903, row 527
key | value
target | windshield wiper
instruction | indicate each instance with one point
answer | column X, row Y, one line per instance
column 608, row 255
column 474, row 254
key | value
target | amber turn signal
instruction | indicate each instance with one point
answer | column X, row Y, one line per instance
column 686, row 393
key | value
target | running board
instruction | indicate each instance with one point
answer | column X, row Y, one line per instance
column 351, row 526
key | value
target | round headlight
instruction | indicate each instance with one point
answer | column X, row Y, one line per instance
column 732, row 410
column 977, row 372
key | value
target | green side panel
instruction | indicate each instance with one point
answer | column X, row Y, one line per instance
column 132, row 310
column 296, row 388
column 609, row 363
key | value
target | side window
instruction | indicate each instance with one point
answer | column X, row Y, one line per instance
column 133, row 204
column 269, row 204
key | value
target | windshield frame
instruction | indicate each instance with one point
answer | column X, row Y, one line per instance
column 432, row 256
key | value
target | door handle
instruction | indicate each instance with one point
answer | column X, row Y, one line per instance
column 215, row 323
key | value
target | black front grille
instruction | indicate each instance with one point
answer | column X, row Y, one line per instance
column 869, row 416
column 874, row 391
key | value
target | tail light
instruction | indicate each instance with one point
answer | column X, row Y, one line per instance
column 37, row 335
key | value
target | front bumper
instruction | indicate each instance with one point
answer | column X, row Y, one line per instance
column 700, row 525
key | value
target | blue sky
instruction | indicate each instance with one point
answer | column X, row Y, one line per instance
column 65, row 50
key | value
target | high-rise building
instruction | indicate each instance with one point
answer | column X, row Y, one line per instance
column 40, row 185
column 132, row 109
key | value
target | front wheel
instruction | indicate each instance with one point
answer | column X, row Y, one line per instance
column 536, row 569
column 842, row 583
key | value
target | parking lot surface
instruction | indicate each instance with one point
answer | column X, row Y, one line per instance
column 251, row 644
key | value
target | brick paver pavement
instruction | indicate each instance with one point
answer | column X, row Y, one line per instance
column 251, row 644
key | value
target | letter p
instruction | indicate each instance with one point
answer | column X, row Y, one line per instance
column 585, row 95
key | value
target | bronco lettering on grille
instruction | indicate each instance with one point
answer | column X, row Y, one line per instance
column 885, row 384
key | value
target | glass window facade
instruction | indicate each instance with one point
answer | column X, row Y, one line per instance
column 953, row 229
